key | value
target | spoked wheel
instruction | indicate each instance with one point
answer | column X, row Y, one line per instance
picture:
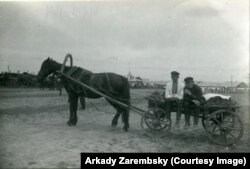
column 155, row 122
column 224, row 127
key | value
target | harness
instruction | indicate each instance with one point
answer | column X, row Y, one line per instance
column 109, row 84
column 70, row 72
column 109, row 90
column 83, row 72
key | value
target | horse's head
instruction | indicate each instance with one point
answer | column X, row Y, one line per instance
column 47, row 68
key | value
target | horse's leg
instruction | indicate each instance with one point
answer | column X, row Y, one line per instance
column 117, row 115
column 73, row 100
column 126, row 100
column 115, row 119
column 125, row 118
column 82, row 101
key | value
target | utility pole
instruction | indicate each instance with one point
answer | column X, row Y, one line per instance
column 116, row 64
column 129, row 66
column 231, row 80
column 248, row 79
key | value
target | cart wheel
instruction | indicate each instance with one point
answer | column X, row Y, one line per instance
column 154, row 122
column 223, row 127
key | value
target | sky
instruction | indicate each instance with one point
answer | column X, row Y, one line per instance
column 205, row 39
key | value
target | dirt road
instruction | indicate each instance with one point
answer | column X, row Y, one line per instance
column 33, row 131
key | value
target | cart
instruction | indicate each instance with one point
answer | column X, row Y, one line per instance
column 221, row 122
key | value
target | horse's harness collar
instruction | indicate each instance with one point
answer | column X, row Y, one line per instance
column 70, row 72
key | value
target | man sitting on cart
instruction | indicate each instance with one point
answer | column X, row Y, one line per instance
column 191, row 100
column 173, row 96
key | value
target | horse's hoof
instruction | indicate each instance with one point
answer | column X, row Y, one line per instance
column 125, row 129
column 114, row 124
column 71, row 123
column 113, row 128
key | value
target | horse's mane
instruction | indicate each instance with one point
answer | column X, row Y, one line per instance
column 84, row 70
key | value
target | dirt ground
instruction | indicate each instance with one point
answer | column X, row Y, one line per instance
column 34, row 134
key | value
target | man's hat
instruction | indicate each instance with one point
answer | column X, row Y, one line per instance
column 175, row 73
column 188, row 79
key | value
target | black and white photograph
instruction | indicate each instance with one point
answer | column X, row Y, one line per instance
column 122, row 76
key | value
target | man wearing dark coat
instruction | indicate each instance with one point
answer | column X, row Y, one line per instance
column 191, row 100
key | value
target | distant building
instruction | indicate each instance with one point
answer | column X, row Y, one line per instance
column 147, row 83
column 209, row 87
column 160, row 84
column 226, row 87
column 135, row 82
column 242, row 87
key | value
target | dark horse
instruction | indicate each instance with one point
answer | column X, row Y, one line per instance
column 110, row 84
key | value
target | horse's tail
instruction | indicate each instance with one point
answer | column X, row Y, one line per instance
column 125, row 92
column 126, row 100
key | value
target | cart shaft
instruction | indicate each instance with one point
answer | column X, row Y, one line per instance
column 133, row 108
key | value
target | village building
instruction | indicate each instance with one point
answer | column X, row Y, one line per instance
column 135, row 82
column 226, row 87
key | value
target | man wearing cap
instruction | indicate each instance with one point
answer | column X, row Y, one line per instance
column 191, row 100
column 174, row 95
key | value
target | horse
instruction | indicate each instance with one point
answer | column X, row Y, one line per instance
column 110, row 84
